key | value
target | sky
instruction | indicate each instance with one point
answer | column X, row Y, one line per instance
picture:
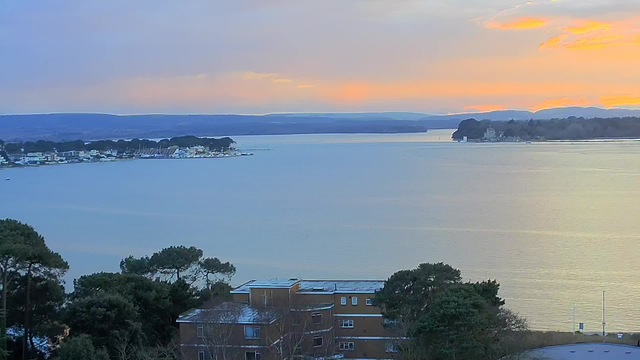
column 263, row 56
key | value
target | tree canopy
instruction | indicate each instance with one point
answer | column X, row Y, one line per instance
column 24, row 256
column 445, row 318
column 81, row 348
column 120, row 145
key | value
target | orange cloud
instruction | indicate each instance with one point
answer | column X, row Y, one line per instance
column 620, row 100
column 596, row 42
column 560, row 102
column 521, row 24
column 553, row 42
column 305, row 86
column 588, row 26
column 483, row 108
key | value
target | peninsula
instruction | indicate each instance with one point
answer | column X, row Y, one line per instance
column 572, row 128
column 43, row 152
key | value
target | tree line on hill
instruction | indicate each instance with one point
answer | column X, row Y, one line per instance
column 221, row 144
column 131, row 315
column 571, row 128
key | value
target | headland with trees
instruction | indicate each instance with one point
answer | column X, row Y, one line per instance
column 571, row 128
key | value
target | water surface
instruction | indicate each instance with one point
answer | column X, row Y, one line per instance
column 555, row 223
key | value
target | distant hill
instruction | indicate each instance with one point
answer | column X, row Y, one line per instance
column 58, row 127
column 357, row 116
column 555, row 113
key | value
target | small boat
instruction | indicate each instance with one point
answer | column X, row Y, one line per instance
column 7, row 179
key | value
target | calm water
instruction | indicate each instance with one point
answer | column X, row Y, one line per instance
column 555, row 223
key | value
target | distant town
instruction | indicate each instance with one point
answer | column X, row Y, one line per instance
column 53, row 153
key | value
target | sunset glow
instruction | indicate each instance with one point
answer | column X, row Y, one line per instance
column 424, row 56
column 518, row 24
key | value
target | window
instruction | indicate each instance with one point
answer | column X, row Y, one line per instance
column 201, row 355
column 200, row 331
column 369, row 302
column 296, row 320
column 343, row 300
column 347, row 346
column 391, row 347
column 317, row 341
column 251, row 355
column 348, row 324
column 316, row 318
column 354, row 301
column 251, row 332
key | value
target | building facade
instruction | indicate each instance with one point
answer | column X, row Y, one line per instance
column 283, row 319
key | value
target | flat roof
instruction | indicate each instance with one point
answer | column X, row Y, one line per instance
column 271, row 284
column 596, row 351
column 230, row 313
column 315, row 286
column 341, row 286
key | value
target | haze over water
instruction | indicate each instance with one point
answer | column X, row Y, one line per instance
column 554, row 223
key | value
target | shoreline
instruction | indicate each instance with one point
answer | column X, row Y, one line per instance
column 20, row 166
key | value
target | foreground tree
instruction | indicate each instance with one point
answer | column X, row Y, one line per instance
column 103, row 317
column 16, row 239
column 23, row 251
column 151, row 298
column 81, row 348
column 46, row 306
column 41, row 261
column 445, row 318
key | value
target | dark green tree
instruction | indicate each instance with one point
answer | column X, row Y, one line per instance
column 215, row 273
column 41, row 261
column 46, row 308
column 177, row 261
column 23, row 250
column 150, row 297
column 103, row 317
column 183, row 296
column 408, row 293
column 140, row 266
column 445, row 318
column 81, row 348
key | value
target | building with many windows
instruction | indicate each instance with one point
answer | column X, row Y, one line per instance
column 282, row 319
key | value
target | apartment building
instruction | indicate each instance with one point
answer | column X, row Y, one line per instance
column 282, row 319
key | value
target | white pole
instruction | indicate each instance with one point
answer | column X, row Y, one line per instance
column 603, row 322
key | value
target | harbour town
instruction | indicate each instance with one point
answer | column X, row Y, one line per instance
column 55, row 153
